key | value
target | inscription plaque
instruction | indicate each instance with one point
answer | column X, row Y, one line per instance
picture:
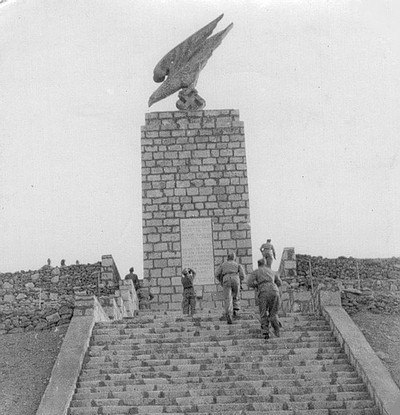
column 197, row 249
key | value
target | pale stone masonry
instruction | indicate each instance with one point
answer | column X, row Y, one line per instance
column 193, row 166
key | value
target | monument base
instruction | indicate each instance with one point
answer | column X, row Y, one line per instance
column 195, row 201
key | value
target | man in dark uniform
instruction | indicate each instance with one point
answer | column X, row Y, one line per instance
column 230, row 275
column 267, row 283
column 189, row 294
column 134, row 278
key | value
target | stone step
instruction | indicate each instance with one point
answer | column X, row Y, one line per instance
column 210, row 375
column 236, row 388
column 212, row 313
column 287, row 380
column 206, row 367
column 143, row 411
column 125, row 354
column 287, row 387
column 178, row 383
column 306, row 408
column 167, row 363
column 214, row 340
column 257, row 346
column 275, row 402
column 161, row 331
column 294, row 355
column 198, row 335
column 186, row 323
column 199, row 322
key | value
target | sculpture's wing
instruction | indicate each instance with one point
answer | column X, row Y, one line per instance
column 200, row 58
column 181, row 54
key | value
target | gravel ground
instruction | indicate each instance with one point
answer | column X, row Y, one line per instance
column 26, row 359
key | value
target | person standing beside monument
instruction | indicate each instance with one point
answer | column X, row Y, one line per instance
column 189, row 294
column 144, row 294
column 267, row 283
column 268, row 253
column 134, row 278
column 230, row 275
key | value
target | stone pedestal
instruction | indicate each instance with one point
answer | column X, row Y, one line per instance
column 195, row 200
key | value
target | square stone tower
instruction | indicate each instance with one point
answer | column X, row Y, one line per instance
column 195, row 200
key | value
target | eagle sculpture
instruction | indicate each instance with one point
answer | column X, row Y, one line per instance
column 180, row 68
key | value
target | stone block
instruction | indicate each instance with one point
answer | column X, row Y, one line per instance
column 167, row 290
column 330, row 298
column 53, row 318
column 290, row 264
column 35, row 276
column 169, row 272
column 176, row 298
column 176, row 280
column 55, row 271
column 9, row 298
column 175, row 305
column 163, row 281
column 55, row 279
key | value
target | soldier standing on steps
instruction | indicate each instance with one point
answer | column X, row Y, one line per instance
column 189, row 295
column 267, row 284
column 268, row 252
column 144, row 294
column 134, row 278
column 230, row 275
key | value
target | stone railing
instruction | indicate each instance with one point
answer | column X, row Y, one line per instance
column 308, row 289
column 88, row 311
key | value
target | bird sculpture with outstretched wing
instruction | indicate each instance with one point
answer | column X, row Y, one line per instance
column 182, row 65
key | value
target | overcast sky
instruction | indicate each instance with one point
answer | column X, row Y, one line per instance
column 316, row 82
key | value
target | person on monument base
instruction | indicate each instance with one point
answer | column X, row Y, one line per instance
column 189, row 294
column 230, row 275
column 134, row 278
column 267, row 283
column 268, row 252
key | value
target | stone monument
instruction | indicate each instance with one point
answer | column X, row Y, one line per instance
column 195, row 201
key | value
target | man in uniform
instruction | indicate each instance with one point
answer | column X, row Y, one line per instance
column 230, row 275
column 267, row 283
column 144, row 294
column 268, row 252
column 134, row 278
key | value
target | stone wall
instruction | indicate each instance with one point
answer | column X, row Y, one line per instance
column 371, row 284
column 36, row 300
column 193, row 166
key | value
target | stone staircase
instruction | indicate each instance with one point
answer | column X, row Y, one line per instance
column 167, row 363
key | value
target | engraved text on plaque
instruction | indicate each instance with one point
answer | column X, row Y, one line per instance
column 197, row 248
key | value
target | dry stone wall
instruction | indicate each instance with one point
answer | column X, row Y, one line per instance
column 371, row 284
column 36, row 300
column 193, row 166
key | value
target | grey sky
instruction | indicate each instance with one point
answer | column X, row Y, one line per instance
column 316, row 82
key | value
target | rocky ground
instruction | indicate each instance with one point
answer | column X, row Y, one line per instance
column 26, row 359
